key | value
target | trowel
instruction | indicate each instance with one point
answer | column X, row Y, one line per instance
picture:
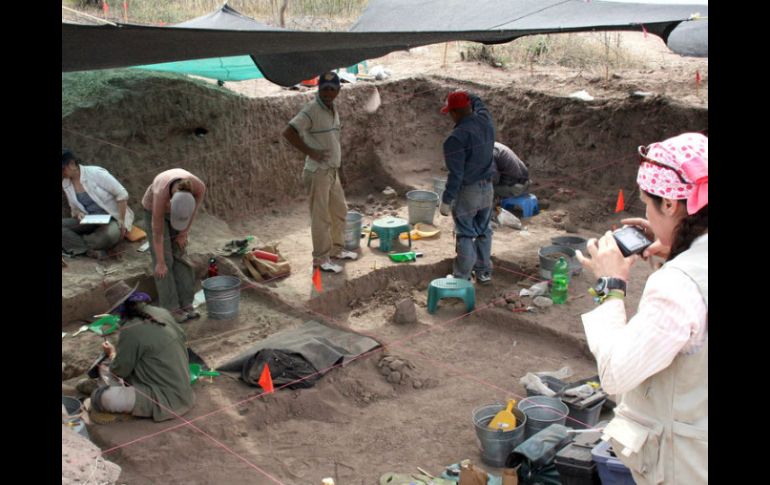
column 105, row 325
column 504, row 420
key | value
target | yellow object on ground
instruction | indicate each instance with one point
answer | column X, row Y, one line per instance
column 135, row 234
column 422, row 231
column 504, row 420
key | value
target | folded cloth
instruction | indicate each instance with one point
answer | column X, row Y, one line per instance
column 236, row 247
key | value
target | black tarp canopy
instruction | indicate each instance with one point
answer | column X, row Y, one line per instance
column 286, row 57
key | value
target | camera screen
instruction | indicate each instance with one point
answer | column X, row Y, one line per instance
column 631, row 240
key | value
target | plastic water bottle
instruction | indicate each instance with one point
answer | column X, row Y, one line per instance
column 560, row 281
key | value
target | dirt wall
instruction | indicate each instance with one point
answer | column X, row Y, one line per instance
column 234, row 143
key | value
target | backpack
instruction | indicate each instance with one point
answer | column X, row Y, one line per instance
column 535, row 456
column 285, row 367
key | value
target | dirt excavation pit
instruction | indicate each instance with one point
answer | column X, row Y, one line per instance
column 409, row 402
column 404, row 405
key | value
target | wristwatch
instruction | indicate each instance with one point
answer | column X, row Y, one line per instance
column 604, row 285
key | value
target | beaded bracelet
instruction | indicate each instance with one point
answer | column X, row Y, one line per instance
column 620, row 294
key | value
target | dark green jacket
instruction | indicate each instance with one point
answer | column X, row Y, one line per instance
column 153, row 358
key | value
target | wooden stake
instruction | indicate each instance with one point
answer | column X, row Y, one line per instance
column 446, row 46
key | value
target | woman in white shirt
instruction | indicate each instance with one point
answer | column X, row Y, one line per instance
column 92, row 190
column 657, row 362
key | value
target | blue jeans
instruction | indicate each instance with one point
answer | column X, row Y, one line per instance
column 472, row 212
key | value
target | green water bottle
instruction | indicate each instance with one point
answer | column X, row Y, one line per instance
column 559, row 281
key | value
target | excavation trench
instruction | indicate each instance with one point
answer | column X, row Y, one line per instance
column 361, row 420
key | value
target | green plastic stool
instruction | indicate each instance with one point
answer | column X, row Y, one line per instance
column 451, row 287
column 387, row 229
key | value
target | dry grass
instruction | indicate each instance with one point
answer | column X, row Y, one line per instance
column 155, row 12
column 594, row 51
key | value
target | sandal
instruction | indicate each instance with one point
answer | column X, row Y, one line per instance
column 192, row 314
column 180, row 315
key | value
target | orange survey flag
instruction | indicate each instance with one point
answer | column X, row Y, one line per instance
column 317, row 279
column 265, row 381
column 620, row 206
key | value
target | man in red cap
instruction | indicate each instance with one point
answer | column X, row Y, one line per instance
column 469, row 191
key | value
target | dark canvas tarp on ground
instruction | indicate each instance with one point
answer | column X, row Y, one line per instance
column 287, row 57
column 321, row 346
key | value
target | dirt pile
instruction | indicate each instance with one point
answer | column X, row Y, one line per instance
column 81, row 461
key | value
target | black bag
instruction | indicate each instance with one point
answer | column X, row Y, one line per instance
column 535, row 456
column 284, row 367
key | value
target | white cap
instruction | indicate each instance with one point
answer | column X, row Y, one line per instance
column 182, row 208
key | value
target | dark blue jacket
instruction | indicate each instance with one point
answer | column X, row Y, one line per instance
column 468, row 150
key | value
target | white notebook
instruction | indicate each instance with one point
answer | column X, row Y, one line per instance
column 96, row 219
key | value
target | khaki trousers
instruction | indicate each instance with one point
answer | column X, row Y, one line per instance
column 328, row 210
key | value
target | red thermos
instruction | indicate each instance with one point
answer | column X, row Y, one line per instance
column 213, row 270
column 265, row 255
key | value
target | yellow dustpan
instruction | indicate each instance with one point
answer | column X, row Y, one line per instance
column 504, row 420
column 421, row 231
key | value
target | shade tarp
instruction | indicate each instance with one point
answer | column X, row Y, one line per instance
column 287, row 57
column 231, row 68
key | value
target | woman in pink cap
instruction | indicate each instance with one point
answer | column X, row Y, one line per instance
column 657, row 362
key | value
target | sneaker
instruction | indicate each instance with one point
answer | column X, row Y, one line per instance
column 345, row 254
column 330, row 267
column 483, row 278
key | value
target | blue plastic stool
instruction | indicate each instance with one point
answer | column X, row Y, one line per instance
column 387, row 229
column 526, row 202
column 448, row 288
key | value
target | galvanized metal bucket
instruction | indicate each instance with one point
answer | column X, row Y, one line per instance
column 495, row 445
column 542, row 412
column 223, row 296
column 353, row 230
column 421, row 205
column 439, row 184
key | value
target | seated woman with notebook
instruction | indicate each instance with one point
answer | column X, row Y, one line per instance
column 92, row 191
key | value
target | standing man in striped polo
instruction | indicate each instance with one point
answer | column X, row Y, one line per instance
column 315, row 131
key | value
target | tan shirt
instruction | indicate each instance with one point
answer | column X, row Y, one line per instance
column 319, row 128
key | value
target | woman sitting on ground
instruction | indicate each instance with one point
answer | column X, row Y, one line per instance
column 151, row 357
column 92, row 190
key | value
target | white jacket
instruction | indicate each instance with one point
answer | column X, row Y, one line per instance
column 103, row 188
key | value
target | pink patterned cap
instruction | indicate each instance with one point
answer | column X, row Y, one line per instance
column 678, row 169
